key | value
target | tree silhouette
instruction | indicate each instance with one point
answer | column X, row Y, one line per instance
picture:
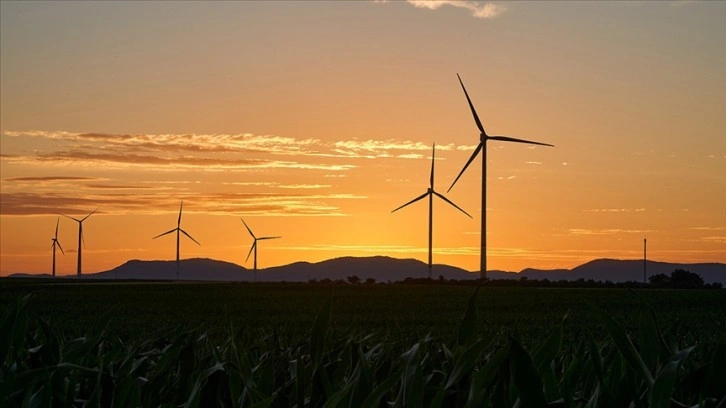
column 681, row 278
column 678, row 279
column 660, row 280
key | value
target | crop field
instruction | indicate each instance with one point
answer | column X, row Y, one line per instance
column 400, row 313
column 337, row 344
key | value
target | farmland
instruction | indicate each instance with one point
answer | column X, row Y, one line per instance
column 286, row 318
column 401, row 313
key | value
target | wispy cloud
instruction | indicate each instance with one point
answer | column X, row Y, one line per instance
column 303, row 186
column 225, row 151
column 614, row 210
column 49, row 179
column 155, row 202
column 477, row 9
column 386, row 249
column 119, row 160
column 611, row 231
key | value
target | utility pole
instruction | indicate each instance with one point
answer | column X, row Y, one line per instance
column 644, row 258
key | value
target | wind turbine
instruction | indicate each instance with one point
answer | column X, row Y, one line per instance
column 430, row 193
column 80, row 238
column 254, row 246
column 56, row 243
column 483, row 137
column 178, row 230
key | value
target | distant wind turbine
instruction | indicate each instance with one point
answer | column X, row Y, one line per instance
column 178, row 230
column 56, row 243
column 483, row 137
column 80, row 238
column 430, row 193
column 254, row 246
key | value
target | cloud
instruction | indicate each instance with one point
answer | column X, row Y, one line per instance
column 156, row 202
column 615, row 210
column 121, row 160
column 204, row 149
column 303, row 186
column 485, row 10
column 50, row 179
column 612, row 231
column 378, row 249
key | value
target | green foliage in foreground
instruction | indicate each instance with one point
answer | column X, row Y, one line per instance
column 41, row 367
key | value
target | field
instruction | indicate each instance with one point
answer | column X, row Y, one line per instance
column 394, row 319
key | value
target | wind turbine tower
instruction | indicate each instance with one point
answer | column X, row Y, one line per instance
column 254, row 246
column 431, row 193
column 178, row 231
column 56, row 243
column 81, row 241
column 483, row 137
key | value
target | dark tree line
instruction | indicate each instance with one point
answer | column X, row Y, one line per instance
column 678, row 279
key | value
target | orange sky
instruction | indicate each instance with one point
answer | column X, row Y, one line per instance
column 313, row 120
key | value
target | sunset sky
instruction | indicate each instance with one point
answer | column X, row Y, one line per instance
column 313, row 120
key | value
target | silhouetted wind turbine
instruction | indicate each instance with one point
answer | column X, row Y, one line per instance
column 254, row 246
column 431, row 193
column 80, row 238
column 56, row 243
column 483, row 137
column 178, row 230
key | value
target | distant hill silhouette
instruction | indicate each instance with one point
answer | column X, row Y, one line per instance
column 618, row 270
column 385, row 269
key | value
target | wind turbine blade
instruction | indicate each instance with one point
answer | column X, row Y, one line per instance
column 473, row 111
column 251, row 249
column 433, row 158
column 190, row 237
column 167, row 232
column 83, row 240
column 511, row 139
column 412, row 201
column 74, row 219
column 471, row 159
column 260, row 238
column 178, row 221
column 61, row 248
column 56, row 227
column 84, row 218
column 451, row 202
column 248, row 229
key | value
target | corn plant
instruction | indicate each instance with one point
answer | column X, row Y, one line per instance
column 40, row 366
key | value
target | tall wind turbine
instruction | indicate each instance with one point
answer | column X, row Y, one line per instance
column 254, row 245
column 483, row 137
column 56, row 243
column 431, row 193
column 178, row 230
column 80, row 238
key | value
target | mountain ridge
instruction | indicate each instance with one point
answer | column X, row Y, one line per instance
column 388, row 269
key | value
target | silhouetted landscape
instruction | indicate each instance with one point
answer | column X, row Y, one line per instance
column 387, row 269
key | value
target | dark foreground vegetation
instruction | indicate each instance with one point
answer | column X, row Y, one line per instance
column 142, row 344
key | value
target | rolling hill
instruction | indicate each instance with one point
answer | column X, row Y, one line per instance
column 385, row 269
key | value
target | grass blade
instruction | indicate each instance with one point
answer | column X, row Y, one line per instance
column 467, row 328
column 624, row 345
